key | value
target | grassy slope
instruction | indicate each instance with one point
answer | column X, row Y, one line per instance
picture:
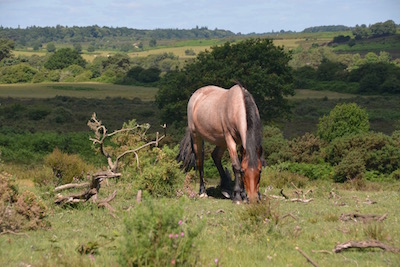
column 227, row 236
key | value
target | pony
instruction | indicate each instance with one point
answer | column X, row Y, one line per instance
column 226, row 118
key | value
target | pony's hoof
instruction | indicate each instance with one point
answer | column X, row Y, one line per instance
column 226, row 194
column 237, row 202
column 203, row 195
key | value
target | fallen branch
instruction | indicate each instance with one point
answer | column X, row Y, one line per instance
column 69, row 186
column 290, row 215
column 301, row 200
column 365, row 244
column 307, row 257
column 363, row 217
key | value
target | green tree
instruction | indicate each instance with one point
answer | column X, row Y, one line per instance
column 6, row 45
column 78, row 47
column 256, row 63
column 344, row 119
column 51, row 47
column 63, row 58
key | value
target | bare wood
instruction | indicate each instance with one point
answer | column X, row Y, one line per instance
column 290, row 215
column 12, row 232
column 69, row 186
column 301, row 200
column 365, row 244
column 307, row 257
column 276, row 197
column 322, row 251
column 364, row 217
column 139, row 196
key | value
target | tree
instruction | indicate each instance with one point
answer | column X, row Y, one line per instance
column 78, row 47
column 63, row 58
column 51, row 47
column 344, row 119
column 6, row 45
column 256, row 63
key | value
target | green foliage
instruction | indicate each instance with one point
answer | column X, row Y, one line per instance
column 344, row 119
column 51, row 47
column 66, row 168
column 275, row 145
column 160, row 174
column 306, row 148
column 321, row 171
column 63, row 58
column 20, row 73
column 157, row 234
column 257, row 63
column 377, row 151
column 6, row 45
column 352, row 166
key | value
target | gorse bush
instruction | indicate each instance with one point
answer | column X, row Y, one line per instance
column 351, row 167
column 66, row 168
column 159, row 173
column 158, row 235
column 344, row 119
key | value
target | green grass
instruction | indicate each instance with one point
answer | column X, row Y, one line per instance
column 81, row 90
column 229, row 234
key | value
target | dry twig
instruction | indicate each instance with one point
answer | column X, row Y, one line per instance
column 307, row 257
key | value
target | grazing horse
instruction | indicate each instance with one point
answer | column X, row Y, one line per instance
column 225, row 118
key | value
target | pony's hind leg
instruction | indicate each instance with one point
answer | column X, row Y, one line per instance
column 198, row 145
column 225, row 181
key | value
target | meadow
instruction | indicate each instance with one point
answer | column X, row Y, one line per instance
column 216, row 232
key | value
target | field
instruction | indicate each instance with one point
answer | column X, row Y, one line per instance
column 231, row 235
column 79, row 90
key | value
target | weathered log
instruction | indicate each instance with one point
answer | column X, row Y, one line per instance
column 363, row 217
column 365, row 244
column 69, row 186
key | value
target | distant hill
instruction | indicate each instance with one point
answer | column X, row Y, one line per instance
column 331, row 28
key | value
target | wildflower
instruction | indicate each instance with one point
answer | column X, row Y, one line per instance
column 170, row 235
column 176, row 235
column 216, row 261
column 173, row 262
column 182, row 234
column 180, row 222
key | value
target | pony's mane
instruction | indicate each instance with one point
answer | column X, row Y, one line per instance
column 254, row 128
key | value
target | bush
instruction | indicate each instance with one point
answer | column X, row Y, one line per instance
column 19, row 211
column 157, row 234
column 66, row 167
column 275, row 145
column 344, row 119
column 306, row 148
column 160, row 175
column 352, row 167
column 278, row 177
column 378, row 151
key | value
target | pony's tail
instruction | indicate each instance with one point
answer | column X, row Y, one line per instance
column 186, row 154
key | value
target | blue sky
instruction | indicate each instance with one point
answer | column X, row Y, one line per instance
column 234, row 15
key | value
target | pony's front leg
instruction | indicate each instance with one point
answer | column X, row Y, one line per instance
column 238, row 187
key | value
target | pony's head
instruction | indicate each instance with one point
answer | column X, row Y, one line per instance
column 251, row 175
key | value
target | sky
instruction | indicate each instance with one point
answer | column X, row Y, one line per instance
column 237, row 16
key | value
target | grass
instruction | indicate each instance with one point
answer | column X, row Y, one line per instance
column 80, row 90
column 229, row 235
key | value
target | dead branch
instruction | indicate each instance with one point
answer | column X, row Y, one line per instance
column 322, row 251
column 100, row 132
column 290, row 215
column 301, row 200
column 365, row 244
column 363, row 217
column 307, row 257
column 69, row 186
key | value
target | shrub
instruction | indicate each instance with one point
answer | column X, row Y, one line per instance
column 19, row 211
column 379, row 152
column 279, row 178
column 275, row 145
column 352, row 167
column 344, row 119
column 160, row 175
column 66, row 167
column 306, row 148
column 157, row 234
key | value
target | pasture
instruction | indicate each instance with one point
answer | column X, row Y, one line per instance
column 230, row 235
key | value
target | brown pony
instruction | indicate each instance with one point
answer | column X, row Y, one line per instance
column 225, row 118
